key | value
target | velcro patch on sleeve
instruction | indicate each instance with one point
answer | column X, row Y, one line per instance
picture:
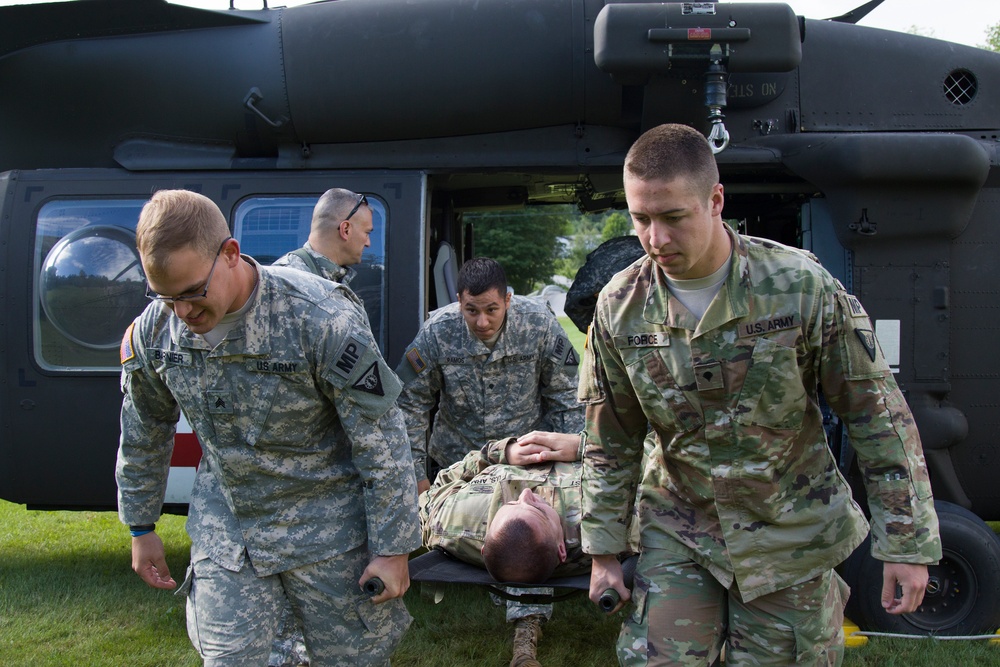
column 416, row 361
column 127, row 350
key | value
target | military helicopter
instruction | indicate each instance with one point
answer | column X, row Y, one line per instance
column 875, row 150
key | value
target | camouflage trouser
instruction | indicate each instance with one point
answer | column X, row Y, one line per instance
column 516, row 610
column 289, row 648
column 232, row 617
column 683, row 616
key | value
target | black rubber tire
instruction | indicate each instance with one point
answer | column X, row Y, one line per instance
column 963, row 596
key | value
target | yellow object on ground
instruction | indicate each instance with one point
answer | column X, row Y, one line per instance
column 852, row 640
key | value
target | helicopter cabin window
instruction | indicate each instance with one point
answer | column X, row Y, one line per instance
column 269, row 227
column 89, row 282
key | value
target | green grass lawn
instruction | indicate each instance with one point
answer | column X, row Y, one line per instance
column 68, row 597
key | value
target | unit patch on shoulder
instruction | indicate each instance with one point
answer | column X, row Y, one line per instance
column 416, row 361
column 371, row 381
column 127, row 350
column 867, row 338
column 571, row 358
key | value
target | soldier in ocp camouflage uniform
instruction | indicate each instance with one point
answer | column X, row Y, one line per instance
column 470, row 508
column 305, row 488
column 458, row 509
column 720, row 343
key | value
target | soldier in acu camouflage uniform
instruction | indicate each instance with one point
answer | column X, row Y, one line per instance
column 305, row 488
column 720, row 343
column 494, row 364
column 340, row 231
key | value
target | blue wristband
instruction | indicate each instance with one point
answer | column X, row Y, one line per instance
column 139, row 531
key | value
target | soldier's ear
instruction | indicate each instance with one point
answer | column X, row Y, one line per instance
column 344, row 229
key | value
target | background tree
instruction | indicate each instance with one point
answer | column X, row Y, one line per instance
column 524, row 242
column 615, row 224
column 992, row 38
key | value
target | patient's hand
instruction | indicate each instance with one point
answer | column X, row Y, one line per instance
column 543, row 446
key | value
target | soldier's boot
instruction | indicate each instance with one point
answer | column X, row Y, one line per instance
column 527, row 631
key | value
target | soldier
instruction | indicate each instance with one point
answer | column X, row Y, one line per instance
column 304, row 489
column 493, row 364
column 474, row 502
column 338, row 235
column 719, row 344
column 340, row 231
column 512, row 507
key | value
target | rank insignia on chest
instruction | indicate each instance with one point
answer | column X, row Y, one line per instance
column 708, row 376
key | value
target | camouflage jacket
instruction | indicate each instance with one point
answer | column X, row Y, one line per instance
column 325, row 267
column 739, row 475
column 304, row 453
column 527, row 382
column 456, row 510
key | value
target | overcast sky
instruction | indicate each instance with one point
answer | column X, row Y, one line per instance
column 963, row 21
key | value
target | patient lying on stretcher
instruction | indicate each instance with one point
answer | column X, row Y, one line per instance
column 512, row 507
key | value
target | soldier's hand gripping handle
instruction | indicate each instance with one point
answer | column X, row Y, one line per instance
column 610, row 598
column 374, row 586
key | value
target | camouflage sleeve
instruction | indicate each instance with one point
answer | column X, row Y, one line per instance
column 859, row 386
column 449, row 481
column 561, row 412
column 421, row 377
column 612, row 456
column 364, row 389
column 495, row 451
column 148, row 419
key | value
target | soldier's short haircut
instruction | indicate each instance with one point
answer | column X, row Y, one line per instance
column 668, row 151
column 332, row 208
column 176, row 219
column 481, row 274
column 515, row 553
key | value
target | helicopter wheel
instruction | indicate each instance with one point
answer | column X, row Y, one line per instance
column 963, row 592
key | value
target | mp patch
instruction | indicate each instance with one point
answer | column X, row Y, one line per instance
column 854, row 306
column 370, row 381
column 347, row 357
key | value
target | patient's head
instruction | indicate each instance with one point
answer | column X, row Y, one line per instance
column 524, row 542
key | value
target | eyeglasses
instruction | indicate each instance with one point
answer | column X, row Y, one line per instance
column 150, row 294
column 362, row 200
